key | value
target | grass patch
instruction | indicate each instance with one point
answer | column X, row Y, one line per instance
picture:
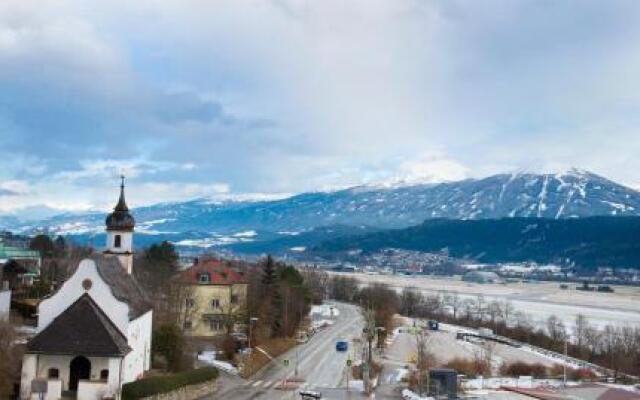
column 257, row 360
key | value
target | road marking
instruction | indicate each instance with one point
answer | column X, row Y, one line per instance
column 256, row 383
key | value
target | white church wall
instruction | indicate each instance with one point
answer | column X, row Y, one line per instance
column 29, row 367
column 126, row 241
column 54, row 389
column 113, row 383
column 138, row 360
column 45, row 362
column 5, row 303
column 72, row 289
column 91, row 390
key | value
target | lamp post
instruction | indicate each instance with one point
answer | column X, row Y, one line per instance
column 251, row 321
column 564, row 364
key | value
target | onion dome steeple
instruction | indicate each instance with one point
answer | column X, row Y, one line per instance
column 120, row 219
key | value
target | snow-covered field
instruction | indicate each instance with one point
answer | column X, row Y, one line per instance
column 538, row 300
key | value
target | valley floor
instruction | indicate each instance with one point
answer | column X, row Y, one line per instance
column 538, row 300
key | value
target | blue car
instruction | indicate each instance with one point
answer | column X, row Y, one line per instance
column 341, row 345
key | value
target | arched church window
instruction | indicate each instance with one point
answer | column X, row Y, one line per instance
column 117, row 242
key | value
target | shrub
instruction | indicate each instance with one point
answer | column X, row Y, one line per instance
column 582, row 374
column 168, row 342
column 467, row 366
column 520, row 368
column 167, row 383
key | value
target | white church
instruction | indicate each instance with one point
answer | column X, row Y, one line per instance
column 94, row 333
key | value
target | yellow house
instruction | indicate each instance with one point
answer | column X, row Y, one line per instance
column 215, row 299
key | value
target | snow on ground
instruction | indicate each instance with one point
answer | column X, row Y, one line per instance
column 409, row 395
column 323, row 315
column 325, row 310
column 209, row 357
column 218, row 240
column 539, row 300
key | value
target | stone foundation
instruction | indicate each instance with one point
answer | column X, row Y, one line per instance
column 191, row 392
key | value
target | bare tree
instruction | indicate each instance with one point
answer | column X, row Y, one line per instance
column 10, row 355
column 494, row 310
column 177, row 305
column 410, row 300
column 424, row 359
column 507, row 312
column 454, row 302
column 556, row 330
column 580, row 330
column 481, row 307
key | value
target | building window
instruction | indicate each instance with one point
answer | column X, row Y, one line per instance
column 204, row 278
column 215, row 325
column 234, row 299
column 117, row 241
column 104, row 374
column 187, row 324
column 189, row 303
column 215, row 303
column 53, row 373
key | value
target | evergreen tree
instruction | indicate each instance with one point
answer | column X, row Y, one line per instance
column 269, row 273
column 43, row 244
column 276, row 313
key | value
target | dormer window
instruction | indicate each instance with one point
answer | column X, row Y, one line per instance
column 117, row 242
column 204, row 278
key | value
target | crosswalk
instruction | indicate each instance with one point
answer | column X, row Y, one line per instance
column 276, row 384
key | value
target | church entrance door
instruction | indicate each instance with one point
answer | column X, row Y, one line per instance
column 80, row 368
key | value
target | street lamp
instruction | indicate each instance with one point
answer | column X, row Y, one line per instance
column 251, row 321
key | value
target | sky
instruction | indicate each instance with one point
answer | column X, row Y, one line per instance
column 195, row 98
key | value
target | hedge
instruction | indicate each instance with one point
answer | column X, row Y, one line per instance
column 163, row 384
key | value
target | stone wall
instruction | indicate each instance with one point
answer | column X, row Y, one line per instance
column 191, row 392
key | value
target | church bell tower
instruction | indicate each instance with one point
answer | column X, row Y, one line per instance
column 120, row 224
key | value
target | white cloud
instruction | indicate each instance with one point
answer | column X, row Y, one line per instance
column 286, row 96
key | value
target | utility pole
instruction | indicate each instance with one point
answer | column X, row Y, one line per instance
column 369, row 331
column 297, row 361
column 564, row 364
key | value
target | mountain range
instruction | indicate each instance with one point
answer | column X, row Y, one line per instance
column 307, row 219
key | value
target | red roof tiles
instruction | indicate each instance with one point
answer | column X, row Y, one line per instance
column 219, row 273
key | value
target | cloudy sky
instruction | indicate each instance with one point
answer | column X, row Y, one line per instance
column 217, row 98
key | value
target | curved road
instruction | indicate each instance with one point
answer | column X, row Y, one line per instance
column 320, row 365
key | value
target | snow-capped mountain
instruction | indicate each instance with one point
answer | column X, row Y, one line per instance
column 565, row 195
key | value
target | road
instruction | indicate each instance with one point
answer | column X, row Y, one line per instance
column 320, row 365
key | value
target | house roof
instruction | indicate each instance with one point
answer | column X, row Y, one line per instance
column 83, row 328
column 124, row 286
column 219, row 273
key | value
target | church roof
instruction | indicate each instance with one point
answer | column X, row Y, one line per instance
column 83, row 328
column 124, row 286
column 120, row 219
